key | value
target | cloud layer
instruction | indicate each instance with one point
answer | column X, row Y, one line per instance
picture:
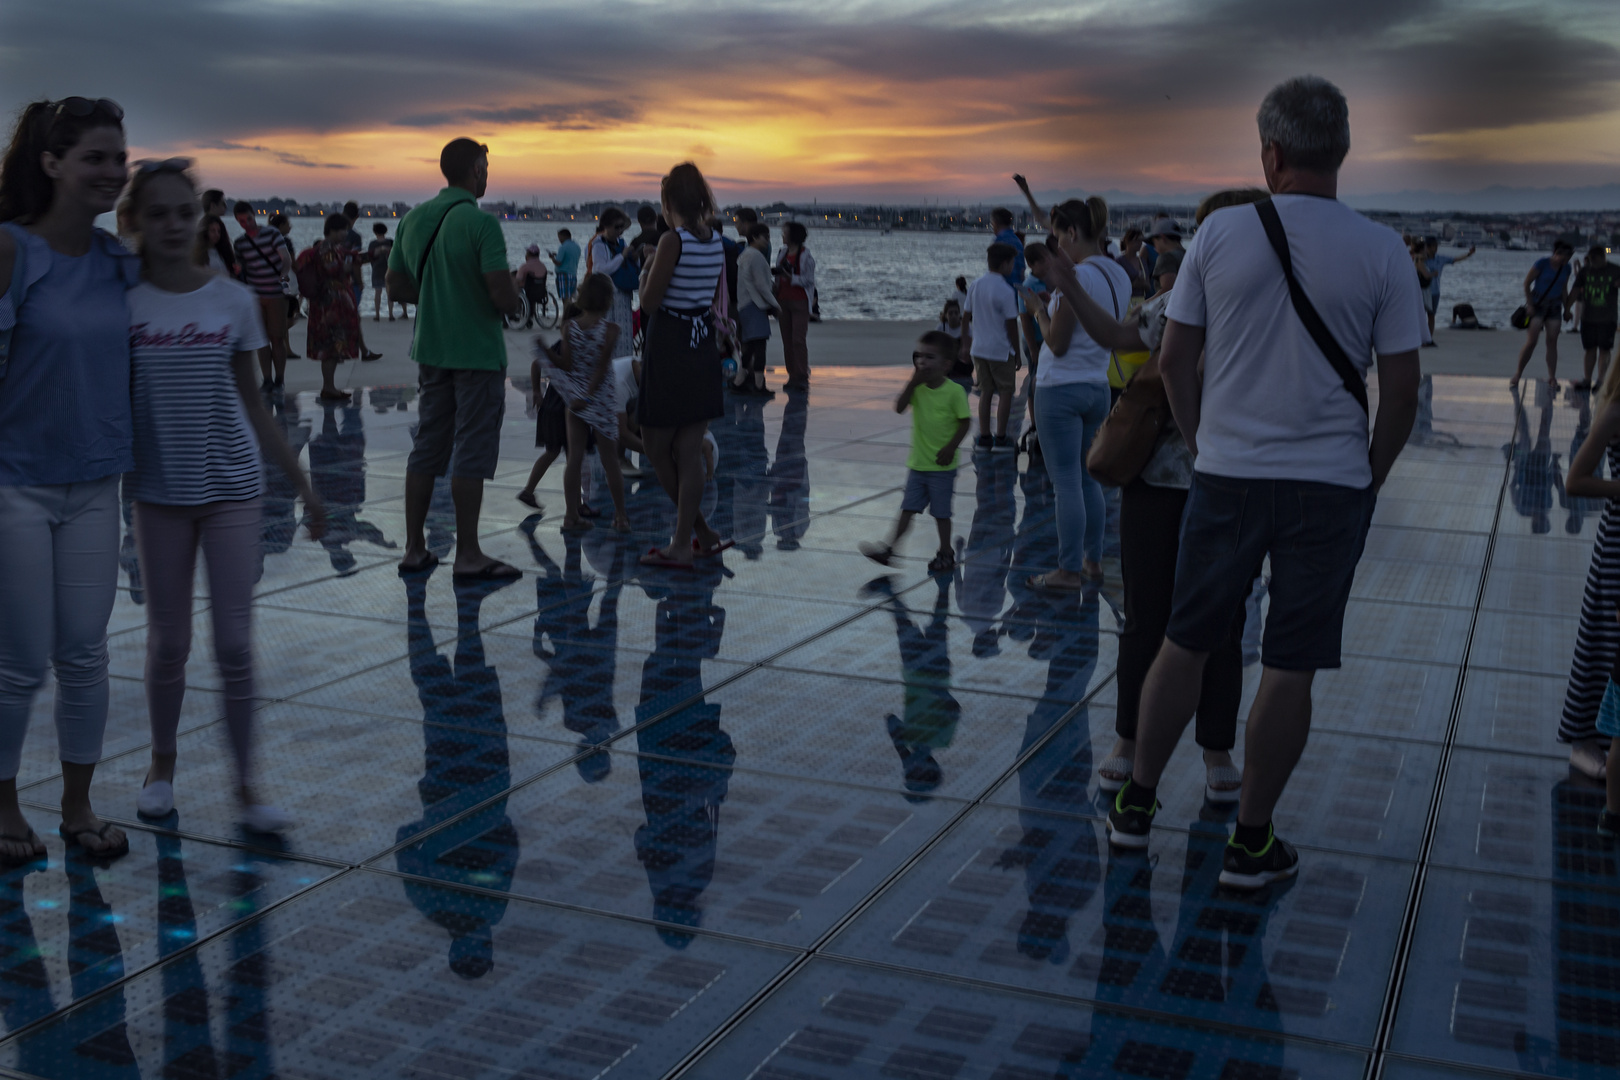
column 838, row 98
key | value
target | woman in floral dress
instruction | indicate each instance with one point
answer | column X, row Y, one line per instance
column 326, row 275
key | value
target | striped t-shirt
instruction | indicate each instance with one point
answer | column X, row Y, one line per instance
column 692, row 284
column 259, row 259
column 193, row 443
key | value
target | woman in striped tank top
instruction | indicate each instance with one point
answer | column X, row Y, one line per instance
column 681, row 376
column 200, row 427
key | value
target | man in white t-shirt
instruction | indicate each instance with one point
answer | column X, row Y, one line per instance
column 990, row 331
column 1283, row 464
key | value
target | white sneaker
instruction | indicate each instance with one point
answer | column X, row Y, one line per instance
column 1230, row 779
column 261, row 818
column 156, row 799
column 1588, row 758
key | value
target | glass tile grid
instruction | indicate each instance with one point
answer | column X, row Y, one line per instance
column 438, row 809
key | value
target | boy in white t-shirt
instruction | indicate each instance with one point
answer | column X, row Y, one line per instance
column 990, row 330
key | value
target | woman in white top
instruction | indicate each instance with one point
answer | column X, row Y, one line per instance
column 608, row 256
column 755, row 302
column 199, row 427
column 681, row 377
column 1072, row 383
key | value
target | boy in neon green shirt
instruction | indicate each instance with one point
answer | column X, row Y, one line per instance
column 939, row 422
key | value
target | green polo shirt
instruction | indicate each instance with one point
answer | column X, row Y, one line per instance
column 457, row 325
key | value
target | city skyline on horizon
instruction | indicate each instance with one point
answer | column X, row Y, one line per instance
column 902, row 101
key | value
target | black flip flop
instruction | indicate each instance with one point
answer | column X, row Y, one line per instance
column 21, row 860
column 424, row 567
column 71, row 838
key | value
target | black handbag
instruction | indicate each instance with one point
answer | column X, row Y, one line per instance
column 1520, row 319
column 1318, row 330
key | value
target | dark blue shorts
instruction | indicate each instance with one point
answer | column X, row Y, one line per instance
column 1314, row 534
column 931, row 491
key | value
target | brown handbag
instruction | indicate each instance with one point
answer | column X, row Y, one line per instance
column 1125, row 443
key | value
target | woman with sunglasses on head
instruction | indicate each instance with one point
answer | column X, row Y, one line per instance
column 65, row 439
column 199, row 425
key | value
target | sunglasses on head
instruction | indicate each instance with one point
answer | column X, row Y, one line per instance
column 82, row 107
column 167, row 165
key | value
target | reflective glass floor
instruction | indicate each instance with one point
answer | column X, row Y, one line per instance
column 791, row 816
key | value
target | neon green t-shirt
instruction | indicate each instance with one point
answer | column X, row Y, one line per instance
column 457, row 325
column 935, row 415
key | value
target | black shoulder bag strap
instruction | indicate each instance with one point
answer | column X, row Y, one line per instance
column 1319, row 332
column 421, row 264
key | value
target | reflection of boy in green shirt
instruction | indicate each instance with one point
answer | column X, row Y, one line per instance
column 939, row 422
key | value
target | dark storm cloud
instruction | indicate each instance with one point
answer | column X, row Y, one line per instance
column 585, row 116
column 283, row 156
column 190, row 71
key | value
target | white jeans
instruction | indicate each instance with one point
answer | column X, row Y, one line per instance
column 58, row 580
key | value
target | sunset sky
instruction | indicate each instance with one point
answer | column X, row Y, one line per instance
column 891, row 101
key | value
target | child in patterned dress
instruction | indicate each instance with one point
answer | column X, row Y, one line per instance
column 578, row 367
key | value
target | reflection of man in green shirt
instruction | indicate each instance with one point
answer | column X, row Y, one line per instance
column 449, row 259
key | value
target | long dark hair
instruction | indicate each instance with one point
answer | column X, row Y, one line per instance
column 227, row 253
column 42, row 127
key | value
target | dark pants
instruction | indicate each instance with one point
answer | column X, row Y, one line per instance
column 1149, row 541
column 794, row 319
column 753, row 355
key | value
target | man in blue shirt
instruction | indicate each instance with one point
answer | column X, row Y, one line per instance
column 1001, row 223
column 1434, row 262
column 566, row 259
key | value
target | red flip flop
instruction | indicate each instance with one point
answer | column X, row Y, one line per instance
column 655, row 557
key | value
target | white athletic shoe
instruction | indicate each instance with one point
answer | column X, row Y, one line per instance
column 262, row 818
column 156, row 799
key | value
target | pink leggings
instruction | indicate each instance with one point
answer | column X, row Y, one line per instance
column 169, row 536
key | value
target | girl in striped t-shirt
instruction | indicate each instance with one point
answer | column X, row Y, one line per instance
column 199, row 428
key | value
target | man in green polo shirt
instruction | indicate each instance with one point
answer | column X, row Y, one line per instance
column 449, row 259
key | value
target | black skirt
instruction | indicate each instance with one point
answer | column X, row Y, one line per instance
column 681, row 379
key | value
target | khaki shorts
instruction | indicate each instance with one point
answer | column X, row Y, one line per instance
column 995, row 376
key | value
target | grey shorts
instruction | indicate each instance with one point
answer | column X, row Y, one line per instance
column 931, row 491
column 459, row 415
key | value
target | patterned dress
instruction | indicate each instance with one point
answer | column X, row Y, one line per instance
column 334, row 320
column 1598, row 639
column 599, row 410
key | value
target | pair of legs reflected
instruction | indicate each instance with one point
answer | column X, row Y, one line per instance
column 677, row 457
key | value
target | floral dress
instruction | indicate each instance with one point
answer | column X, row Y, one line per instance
column 586, row 346
column 334, row 320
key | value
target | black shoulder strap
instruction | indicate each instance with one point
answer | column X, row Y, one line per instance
column 421, row 264
column 1319, row 332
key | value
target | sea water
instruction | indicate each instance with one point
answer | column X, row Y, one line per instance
column 863, row 274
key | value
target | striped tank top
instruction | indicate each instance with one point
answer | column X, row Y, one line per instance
column 692, row 285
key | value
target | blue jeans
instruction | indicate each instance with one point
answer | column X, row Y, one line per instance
column 1068, row 417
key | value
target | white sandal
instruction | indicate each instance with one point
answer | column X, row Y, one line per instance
column 1230, row 779
column 1589, row 760
column 1119, row 767
column 155, row 800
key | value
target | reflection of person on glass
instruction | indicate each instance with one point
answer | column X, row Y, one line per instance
column 743, row 487
column 990, row 542
column 1058, row 848
column 280, row 520
column 461, row 767
column 582, row 659
column 1535, row 466
column 685, row 760
column 337, row 467
column 1578, row 506
column 790, row 476
column 931, row 710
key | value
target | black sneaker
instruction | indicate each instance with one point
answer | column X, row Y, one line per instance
column 1245, row 869
column 1128, row 825
column 1608, row 823
column 1003, row 445
column 986, row 442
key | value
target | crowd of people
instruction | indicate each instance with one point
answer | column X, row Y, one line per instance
column 155, row 369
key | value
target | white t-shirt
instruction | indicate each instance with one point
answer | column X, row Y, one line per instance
column 1273, row 407
column 991, row 302
column 1106, row 282
column 947, row 328
column 193, row 442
